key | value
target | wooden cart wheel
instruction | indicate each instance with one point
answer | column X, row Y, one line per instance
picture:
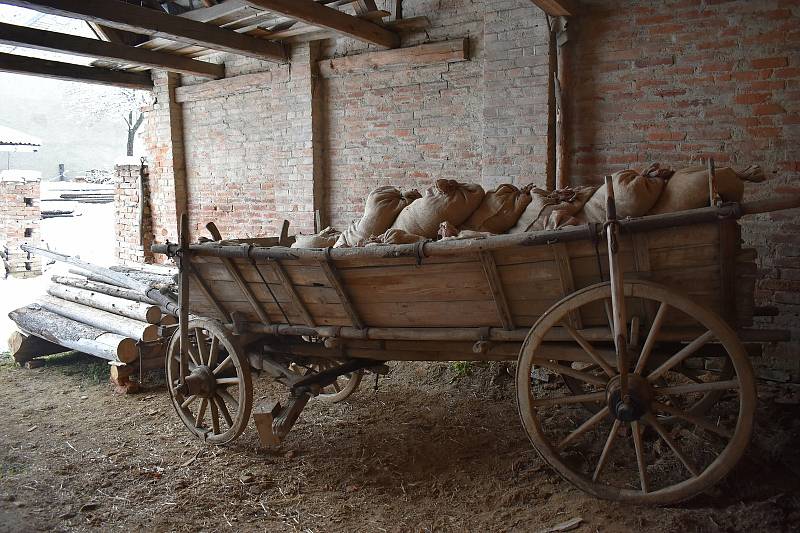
column 342, row 388
column 217, row 396
column 655, row 448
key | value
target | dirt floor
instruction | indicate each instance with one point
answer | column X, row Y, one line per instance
column 429, row 450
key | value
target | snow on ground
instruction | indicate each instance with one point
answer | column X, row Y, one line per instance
column 89, row 235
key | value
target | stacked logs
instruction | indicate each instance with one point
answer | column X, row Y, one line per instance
column 98, row 316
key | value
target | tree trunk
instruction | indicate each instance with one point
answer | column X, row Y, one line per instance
column 132, row 129
column 119, row 306
column 74, row 335
column 103, row 288
column 128, row 327
column 23, row 347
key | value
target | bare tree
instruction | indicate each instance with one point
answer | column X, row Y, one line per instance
column 104, row 103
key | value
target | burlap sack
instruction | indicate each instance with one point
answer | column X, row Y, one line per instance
column 634, row 195
column 381, row 209
column 323, row 239
column 398, row 236
column 688, row 188
column 448, row 200
column 500, row 209
column 552, row 210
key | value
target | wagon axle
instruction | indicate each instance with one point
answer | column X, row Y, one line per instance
column 633, row 405
column 201, row 382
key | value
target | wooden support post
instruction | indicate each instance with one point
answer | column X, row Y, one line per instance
column 206, row 290
column 552, row 77
column 183, row 297
column 561, row 256
column 246, row 290
column 289, row 288
column 496, row 288
column 729, row 239
column 332, row 274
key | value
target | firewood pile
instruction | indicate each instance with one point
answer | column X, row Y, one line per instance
column 115, row 314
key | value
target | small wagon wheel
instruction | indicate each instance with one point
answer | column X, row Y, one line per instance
column 343, row 387
column 653, row 448
column 217, row 396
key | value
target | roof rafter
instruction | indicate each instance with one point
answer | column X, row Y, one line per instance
column 155, row 23
column 82, row 46
column 319, row 15
column 46, row 68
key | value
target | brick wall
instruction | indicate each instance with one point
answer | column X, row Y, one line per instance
column 679, row 80
column 20, row 219
column 133, row 245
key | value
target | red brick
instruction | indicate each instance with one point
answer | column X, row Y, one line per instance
column 765, row 132
column 769, row 62
column 768, row 109
column 666, row 136
column 751, row 98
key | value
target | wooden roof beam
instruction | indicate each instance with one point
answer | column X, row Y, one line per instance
column 319, row 15
column 67, row 71
column 558, row 8
column 81, row 46
column 155, row 23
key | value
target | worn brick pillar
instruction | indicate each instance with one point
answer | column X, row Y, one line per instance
column 133, row 239
column 20, row 218
column 164, row 137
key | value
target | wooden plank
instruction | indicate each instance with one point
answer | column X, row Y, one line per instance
column 245, row 288
column 409, row 25
column 289, row 288
column 322, row 16
column 47, row 68
column 567, row 280
column 557, row 8
column 425, row 54
column 13, row 35
column 154, row 23
column 222, row 88
column 496, row 288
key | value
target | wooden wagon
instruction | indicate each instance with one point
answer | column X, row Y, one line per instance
column 642, row 321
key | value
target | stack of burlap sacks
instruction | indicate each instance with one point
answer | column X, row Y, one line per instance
column 454, row 210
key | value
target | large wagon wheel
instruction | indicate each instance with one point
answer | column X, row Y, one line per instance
column 216, row 400
column 343, row 387
column 655, row 447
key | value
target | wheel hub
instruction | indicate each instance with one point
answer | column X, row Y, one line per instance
column 201, row 382
column 633, row 405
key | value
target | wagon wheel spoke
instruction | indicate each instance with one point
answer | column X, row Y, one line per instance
column 336, row 385
column 694, row 419
column 202, row 349
column 697, row 387
column 223, row 365
column 213, row 352
column 583, row 428
column 581, row 375
column 655, row 424
column 612, row 436
column 566, row 400
column 188, row 401
column 226, row 397
column 223, row 409
column 201, row 413
column 650, row 341
column 228, row 381
column 609, row 308
column 685, row 352
column 214, row 416
column 638, row 446
column 193, row 356
column 589, row 349
column 633, row 336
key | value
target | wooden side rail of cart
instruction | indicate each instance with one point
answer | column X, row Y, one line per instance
column 642, row 319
